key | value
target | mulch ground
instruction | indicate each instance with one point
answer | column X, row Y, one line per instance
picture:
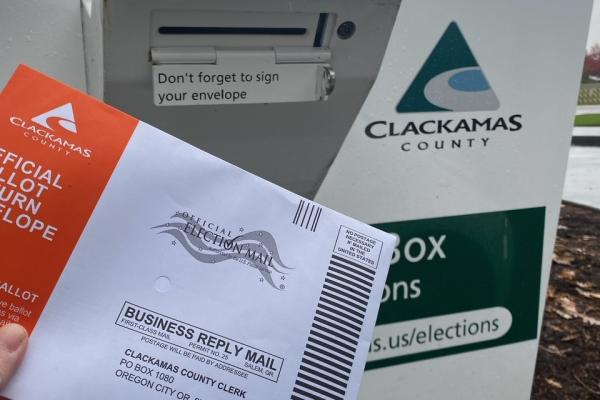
column 568, row 364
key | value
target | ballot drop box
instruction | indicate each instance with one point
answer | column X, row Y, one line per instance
column 446, row 123
column 460, row 150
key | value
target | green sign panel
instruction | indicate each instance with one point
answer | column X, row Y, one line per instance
column 460, row 284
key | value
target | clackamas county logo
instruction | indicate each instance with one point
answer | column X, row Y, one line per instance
column 210, row 243
column 450, row 80
column 54, row 129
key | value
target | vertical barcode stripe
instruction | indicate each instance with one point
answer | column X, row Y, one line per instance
column 323, row 328
column 350, row 269
column 307, row 215
column 298, row 210
column 340, row 321
column 350, row 310
column 326, row 361
column 340, row 313
column 329, row 354
column 320, row 383
column 306, row 394
column 342, row 300
column 304, row 215
column 312, row 209
column 333, row 338
column 318, row 389
column 354, row 264
column 336, row 327
column 342, row 293
column 348, row 288
column 350, row 282
column 316, row 221
column 323, row 368
column 328, row 346
column 348, row 274
column 322, row 375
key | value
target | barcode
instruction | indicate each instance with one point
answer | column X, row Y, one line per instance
column 307, row 215
column 333, row 339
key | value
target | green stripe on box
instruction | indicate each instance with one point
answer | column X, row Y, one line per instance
column 489, row 260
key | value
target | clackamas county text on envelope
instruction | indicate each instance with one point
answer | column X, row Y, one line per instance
column 147, row 269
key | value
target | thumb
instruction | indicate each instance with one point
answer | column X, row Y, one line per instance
column 13, row 341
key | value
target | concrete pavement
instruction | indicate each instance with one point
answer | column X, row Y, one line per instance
column 587, row 131
column 582, row 183
column 595, row 109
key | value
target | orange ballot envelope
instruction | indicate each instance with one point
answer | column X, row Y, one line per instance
column 145, row 268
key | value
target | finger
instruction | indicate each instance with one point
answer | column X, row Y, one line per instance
column 13, row 341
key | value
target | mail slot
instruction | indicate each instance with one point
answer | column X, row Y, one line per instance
column 272, row 87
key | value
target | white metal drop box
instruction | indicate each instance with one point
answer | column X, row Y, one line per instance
column 270, row 86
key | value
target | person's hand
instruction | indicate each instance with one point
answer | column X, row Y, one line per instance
column 13, row 342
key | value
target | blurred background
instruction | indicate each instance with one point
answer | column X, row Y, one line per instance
column 568, row 364
column 583, row 176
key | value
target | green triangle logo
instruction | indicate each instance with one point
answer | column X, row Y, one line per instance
column 450, row 80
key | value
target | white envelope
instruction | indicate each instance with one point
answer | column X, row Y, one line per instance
column 189, row 277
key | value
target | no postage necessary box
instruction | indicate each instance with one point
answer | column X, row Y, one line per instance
column 146, row 268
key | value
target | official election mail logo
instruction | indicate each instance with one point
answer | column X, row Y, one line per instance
column 54, row 129
column 450, row 80
column 210, row 243
column 60, row 116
